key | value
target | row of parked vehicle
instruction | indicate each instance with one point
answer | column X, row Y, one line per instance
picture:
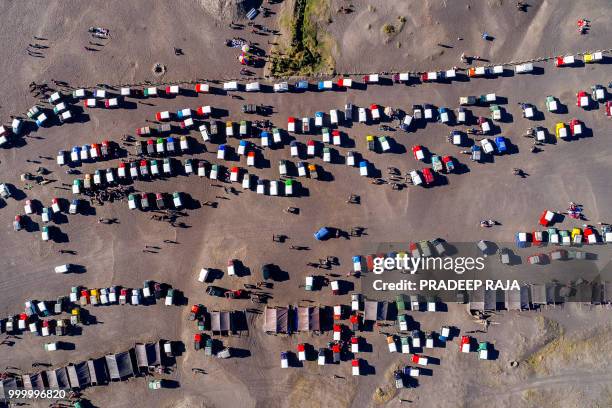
column 149, row 293
column 6, row 132
column 100, row 97
column 375, row 113
column 61, row 109
column 144, row 169
column 96, row 98
column 433, row 76
column 167, row 145
column 577, row 236
column 40, row 118
column 425, row 248
column 23, row 323
column 143, row 201
column 457, row 138
column 33, row 317
column 140, row 169
column 46, row 213
column 184, row 113
column 162, row 146
column 87, row 152
column 303, row 169
column 443, row 114
column 126, row 91
column 554, row 236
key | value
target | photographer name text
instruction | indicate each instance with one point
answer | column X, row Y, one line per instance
column 446, row 285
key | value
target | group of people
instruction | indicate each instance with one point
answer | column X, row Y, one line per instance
column 574, row 211
column 33, row 50
column 99, row 32
column 487, row 223
column 39, row 90
column 583, row 25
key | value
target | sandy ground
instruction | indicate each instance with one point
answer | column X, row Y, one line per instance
column 431, row 37
column 141, row 35
column 242, row 225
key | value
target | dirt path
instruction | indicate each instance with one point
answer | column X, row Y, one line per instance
column 578, row 379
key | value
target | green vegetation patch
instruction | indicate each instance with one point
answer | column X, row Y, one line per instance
column 309, row 50
column 388, row 29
